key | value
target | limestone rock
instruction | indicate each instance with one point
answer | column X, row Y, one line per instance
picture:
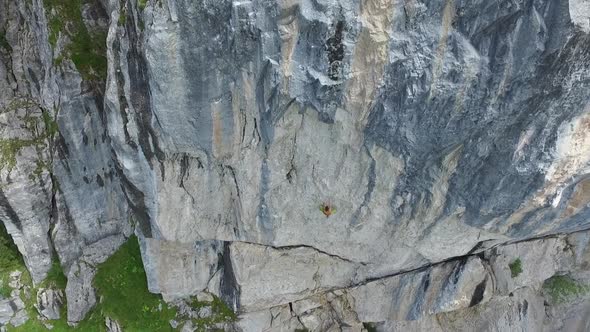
column 449, row 140
column 173, row 260
column 112, row 325
column 443, row 288
column 187, row 327
column 49, row 302
column 14, row 280
column 529, row 264
column 580, row 14
column 19, row 318
column 6, row 311
column 297, row 271
column 80, row 294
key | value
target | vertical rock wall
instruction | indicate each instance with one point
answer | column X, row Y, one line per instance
column 219, row 130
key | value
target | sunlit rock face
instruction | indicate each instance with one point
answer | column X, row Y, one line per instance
column 446, row 138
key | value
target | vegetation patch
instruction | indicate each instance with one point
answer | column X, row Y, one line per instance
column 10, row 260
column 4, row 43
column 86, row 49
column 562, row 288
column 515, row 268
column 55, row 277
column 121, row 282
column 51, row 127
column 42, row 137
column 9, row 255
column 4, row 289
column 121, row 286
column 370, row 327
column 219, row 313
column 10, row 148
column 122, row 17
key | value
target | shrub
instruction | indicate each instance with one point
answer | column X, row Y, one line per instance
column 560, row 288
column 515, row 268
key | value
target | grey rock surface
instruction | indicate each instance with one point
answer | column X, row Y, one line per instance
column 12, row 308
column 6, row 311
column 79, row 291
column 112, row 325
column 447, row 139
column 19, row 318
column 49, row 302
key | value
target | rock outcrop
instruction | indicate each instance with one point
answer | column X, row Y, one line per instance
column 449, row 139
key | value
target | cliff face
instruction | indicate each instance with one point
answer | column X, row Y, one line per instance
column 447, row 141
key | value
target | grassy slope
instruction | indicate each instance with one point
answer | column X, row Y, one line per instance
column 10, row 260
column 121, row 281
column 122, row 285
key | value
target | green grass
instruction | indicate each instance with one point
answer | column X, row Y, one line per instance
column 51, row 127
column 561, row 288
column 10, row 260
column 122, row 17
column 86, row 49
column 515, row 268
column 55, row 277
column 91, row 324
column 220, row 313
column 10, row 148
column 142, row 4
column 122, row 283
column 4, row 289
column 55, row 25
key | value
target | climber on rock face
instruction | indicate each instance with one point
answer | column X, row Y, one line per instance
column 327, row 209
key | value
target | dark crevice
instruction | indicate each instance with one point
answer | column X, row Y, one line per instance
column 9, row 211
column 136, row 200
column 478, row 293
column 233, row 175
column 435, row 264
column 417, row 307
column 229, row 288
column 184, row 164
column 184, row 167
column 236, row 201
column 335, row 50
column 293, row 314
column 303, row 246
column 99, row 180
column 123, row 106
column 140, row 95
column 370, row 188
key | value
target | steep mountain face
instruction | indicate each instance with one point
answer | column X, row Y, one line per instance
column 317, row 164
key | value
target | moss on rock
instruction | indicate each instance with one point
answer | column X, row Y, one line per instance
column 86, row 49
column 561, row 288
